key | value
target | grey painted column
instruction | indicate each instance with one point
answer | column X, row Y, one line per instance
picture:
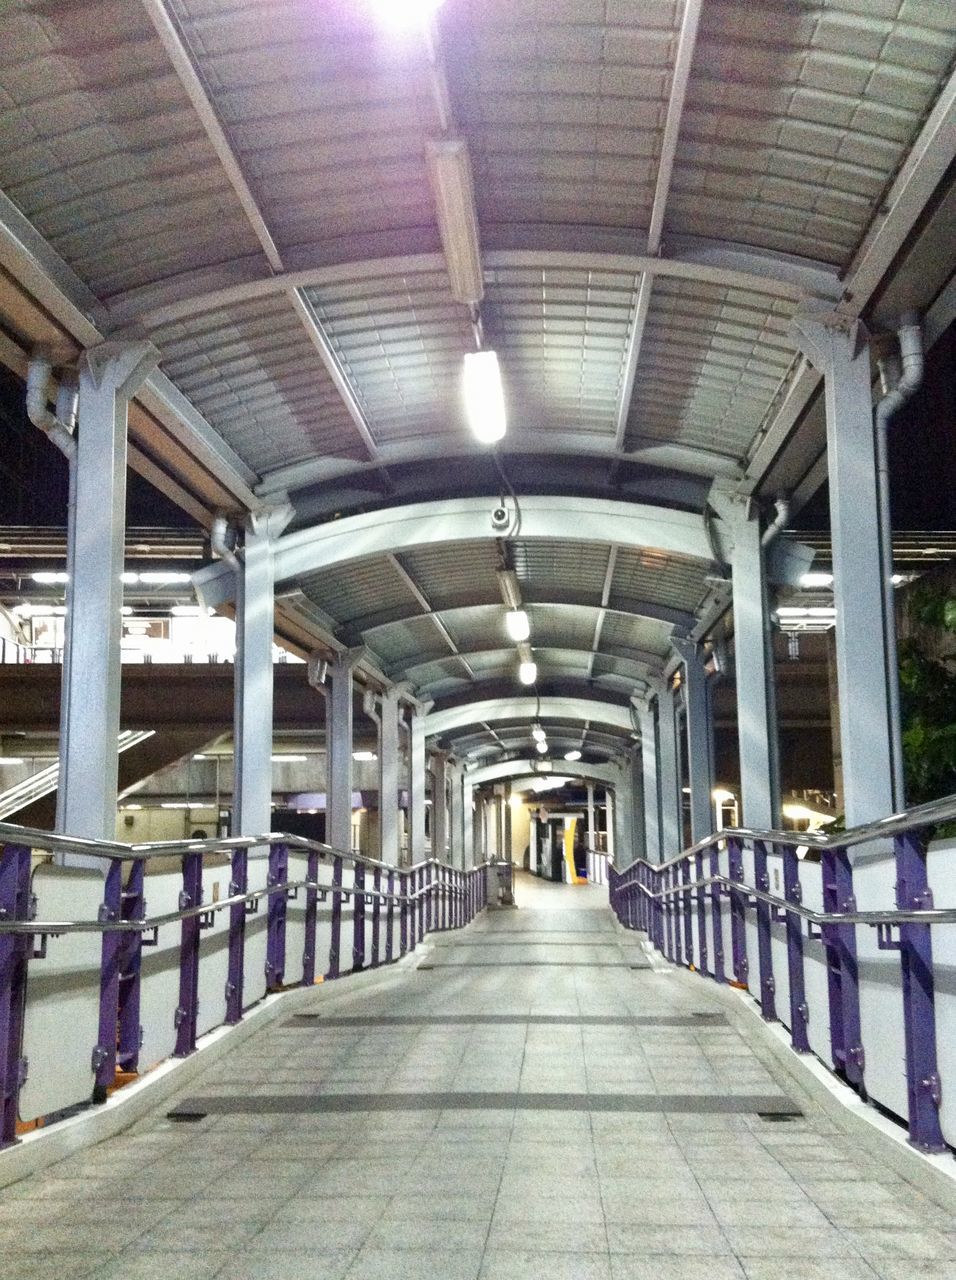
column 389, row 816
column 591, row 831
column 253, row 676
column 338, row 740
column 624, row 819
column 753, row 662
column 90, row 701
column 416, row 782
column 638, row 834
column 652, row 788
column 467, row 823
column 439, row 805
column 838, row 348
column 672, row 827
column 698, row 707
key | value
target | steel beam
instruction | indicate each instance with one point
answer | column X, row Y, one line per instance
column 388, row 759
column 440, row 823
column 90, row 701
column 650, row 765
column 699, row 728
column 416, row 783
column 338, row 745
column 529, row 708
column 525, row 772
column 838, row 348
column 672, row 820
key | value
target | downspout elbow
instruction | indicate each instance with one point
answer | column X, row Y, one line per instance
column 219, row 542
column 39, row 372
column 782, row 505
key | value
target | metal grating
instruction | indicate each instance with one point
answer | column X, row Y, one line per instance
column 620, row 634
column 561, row 336
column 563, row 104
column 400, row 339
column 662, row 579
column 711, row 361
column 798, row 115
column 558, row 570
column 455, row 574
column 256, row 377
column 345, row 593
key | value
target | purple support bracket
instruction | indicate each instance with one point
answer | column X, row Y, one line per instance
column 389, row 917
column 799, row 1012
column 701, row 896
column 358, row 919
column 14, row 957
column 738, row 912
column 768, row 1005
column 235, row 980
column 335, row 944
column 923, row 1086
column 716, row 918
column 843, row 979
column 188, row 1009
column 133, row 907
column 278, row 910
column 311, row 919
column 376, row 915
column 104, row 1054
column 688, row 914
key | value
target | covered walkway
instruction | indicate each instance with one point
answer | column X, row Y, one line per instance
column 528, row 1098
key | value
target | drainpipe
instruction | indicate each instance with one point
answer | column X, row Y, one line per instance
column 910, row 336
column 58, row 426
column 219, row 542
column 782, row 506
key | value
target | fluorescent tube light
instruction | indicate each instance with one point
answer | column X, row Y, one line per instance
column 49, row 579
column 364, row 755
column 572, row 755
column 289, row 759
column 453, row 188
column 527, row 672
column 484, row 397
column 517, row 625
column 11, row 760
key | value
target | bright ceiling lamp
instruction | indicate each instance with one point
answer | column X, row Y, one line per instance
column 406, row 13
column 364, row 755
column 572, row 755
column 484, row 397
column 527, row 672
column 538, row 733
column 542, row 748
column 449, row 169
column 517, row 625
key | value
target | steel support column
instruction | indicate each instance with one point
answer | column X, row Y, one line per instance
column 90, row 702
column 591, row 832
column 837, row 346
column 652, row 786
column 416, row 784
column 439, row 823
column 672, row 825
column 753, row 657
column 637, row 832
column 388, row 811
column 338, row 742
column 698, row 709
column 467, row 823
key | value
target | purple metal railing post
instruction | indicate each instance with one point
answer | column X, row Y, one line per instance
column 688, row 913
column 130, row 961
column 414, row 906
column 389, row 917
column 670, row 883
column 843, row 979
column 799, row 1013
column 716, row 915
column 15, row 952
column 358, row 918
column 768, row 1004
column 738, row 911
column 376, row 914
column 239, row 885
column 403, row 913
column 278, row 911
column 919, row 1003
column 188, row 1008
column 424, row 895
column 311, row 919
column 335, row 943
column 104, row 1055
column 702, row 948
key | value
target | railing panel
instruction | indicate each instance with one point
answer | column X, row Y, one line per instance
column 295, row 920
column 213, row 947
column 257, row 933
column 778, row 941
column 159, row 971
column 750, row 927
column 815, row 966
column 881, row 1003
column 940, row 862
column 61, row 1024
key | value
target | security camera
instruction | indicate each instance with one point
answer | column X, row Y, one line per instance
column 499, row 518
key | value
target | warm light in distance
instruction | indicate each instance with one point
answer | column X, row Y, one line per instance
column 517, row 625
column 484, row 397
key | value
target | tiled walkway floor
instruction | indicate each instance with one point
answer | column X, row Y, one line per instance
column 536, row 1007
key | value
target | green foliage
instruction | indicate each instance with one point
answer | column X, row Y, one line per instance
column 928, row 700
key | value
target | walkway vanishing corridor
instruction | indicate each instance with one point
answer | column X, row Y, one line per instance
column 526, row 1100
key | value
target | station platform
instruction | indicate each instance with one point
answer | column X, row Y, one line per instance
column 527, row 1099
